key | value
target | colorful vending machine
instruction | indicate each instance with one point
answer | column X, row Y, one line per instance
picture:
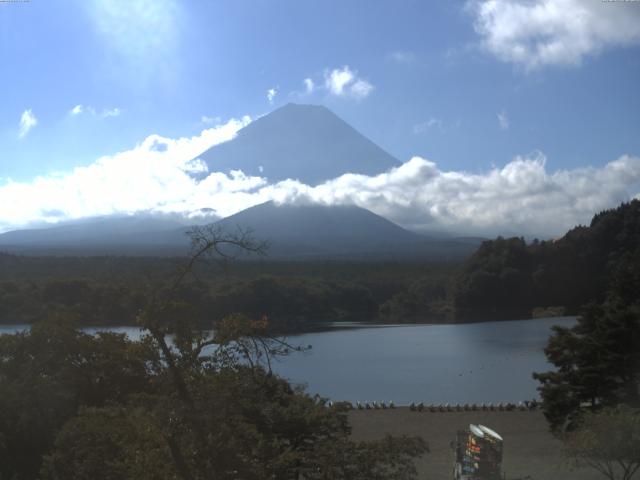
column 478, row 454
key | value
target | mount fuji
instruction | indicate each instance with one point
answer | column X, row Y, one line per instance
column 304, row 142
column 301, row 142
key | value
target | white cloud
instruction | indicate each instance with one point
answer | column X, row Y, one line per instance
column 344, row 82
column 209, row 120
column 403, row 57
column 361, row 88
column 142, row 39
column 337, row 80
column 309, row 86
column 27, row 121
column 107, row 112
column 157, row 175
column 521, row 198
column 136, row 28
column 423, row 127
column 503, row 120
column 114, row 112
column 536, row 33
column 271, row 94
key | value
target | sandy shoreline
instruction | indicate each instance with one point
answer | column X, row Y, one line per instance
column 529, row 448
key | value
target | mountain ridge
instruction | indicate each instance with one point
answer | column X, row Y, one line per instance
column 293, row 232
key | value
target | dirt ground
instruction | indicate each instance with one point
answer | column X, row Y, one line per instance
column 530, row 451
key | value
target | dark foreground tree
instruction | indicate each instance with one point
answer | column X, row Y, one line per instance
column 180, row 403
column 255, row 427
column 48, row 373
column 598, row 360
column 608, row 442
column 110, row 443
column 597, row 364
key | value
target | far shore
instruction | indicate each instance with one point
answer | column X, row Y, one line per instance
column 313, row 327
column 530, row 451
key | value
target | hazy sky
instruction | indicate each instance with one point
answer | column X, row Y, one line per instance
column 473, row 87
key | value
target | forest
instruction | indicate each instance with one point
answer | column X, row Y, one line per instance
column 505, row 278
column 510, row 278
column 110, row 291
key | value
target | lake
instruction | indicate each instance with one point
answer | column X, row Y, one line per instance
column 463, row 363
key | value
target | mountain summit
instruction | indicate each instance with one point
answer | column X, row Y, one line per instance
column 304, row 142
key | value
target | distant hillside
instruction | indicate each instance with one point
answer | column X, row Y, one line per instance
column 315, row 229
column 293, row 232
column 305, row 142
column 507, row 277
column 312, row 231
column 97, row 236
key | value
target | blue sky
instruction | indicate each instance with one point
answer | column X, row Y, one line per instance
column 469, row 86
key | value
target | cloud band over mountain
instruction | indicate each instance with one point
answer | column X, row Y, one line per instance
column 157, row 175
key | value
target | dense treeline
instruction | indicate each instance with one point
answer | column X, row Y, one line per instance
column 506, row 278
column 129, row 269
column 108, row 291
column 598, row 360
column 509, row 278
column 426, row 299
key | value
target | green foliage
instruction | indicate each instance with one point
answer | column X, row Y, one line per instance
column 597, row 363
column 598, row 360
column 607, row 441
column 48, row 373
column 496, row 280
column 109, row 443
column 293, row 298
column 76, row 406
column 91, row 303
column 257, row 428
column 109, row 291
column 425, row 300
column 508, row 278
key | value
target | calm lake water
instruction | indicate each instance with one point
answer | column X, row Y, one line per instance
column 480, row 362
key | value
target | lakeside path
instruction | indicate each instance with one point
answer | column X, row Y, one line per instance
column 529, row 448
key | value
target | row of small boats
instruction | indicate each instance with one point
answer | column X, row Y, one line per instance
column 446, row 407
column 475, row 407
column 374, row 405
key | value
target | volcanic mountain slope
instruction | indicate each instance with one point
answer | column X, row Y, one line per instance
column 99, row 235
column 307, row 231
column 304, row 142
column 292, row 232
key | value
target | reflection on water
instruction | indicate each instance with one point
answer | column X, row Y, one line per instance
column 478, row 362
